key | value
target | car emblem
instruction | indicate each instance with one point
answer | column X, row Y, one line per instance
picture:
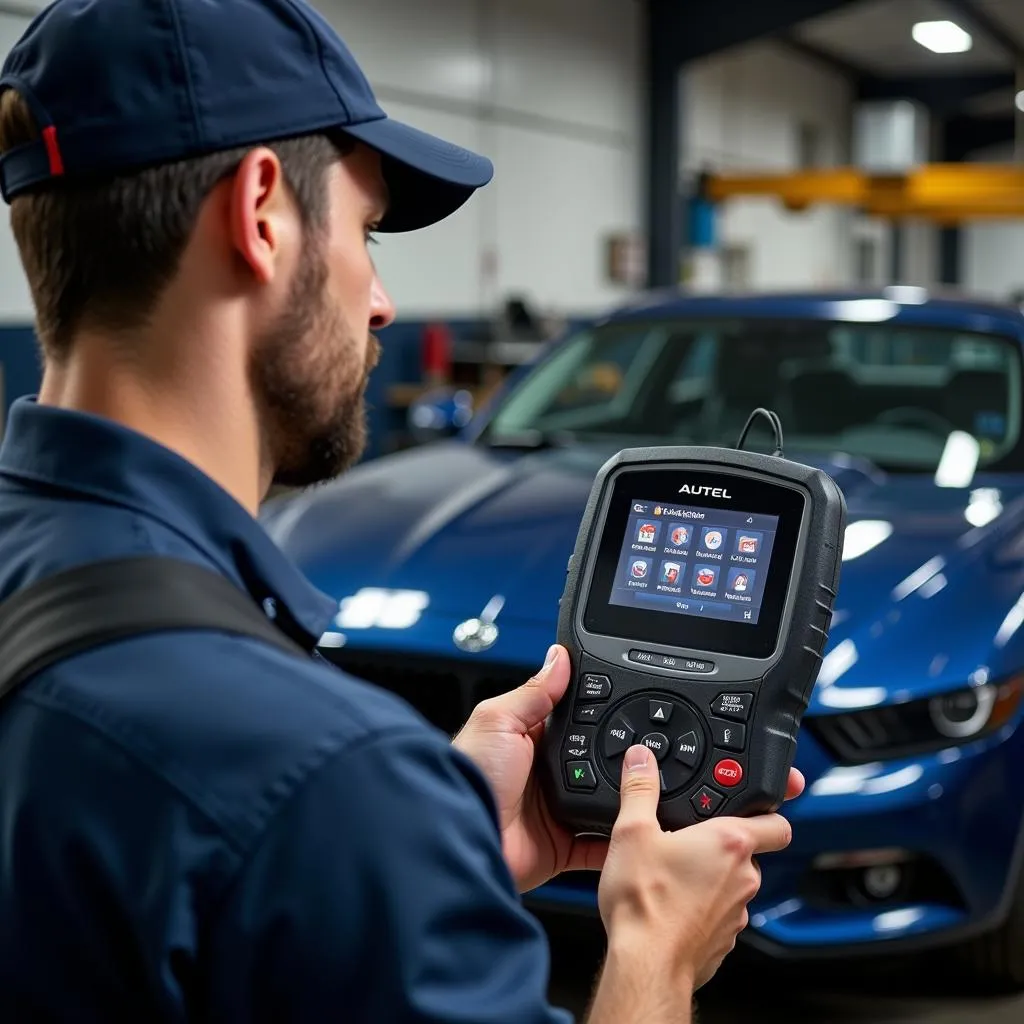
column 479, row 634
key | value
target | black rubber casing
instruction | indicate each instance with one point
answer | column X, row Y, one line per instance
column 781, row 691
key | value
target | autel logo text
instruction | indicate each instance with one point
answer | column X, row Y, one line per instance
column 709, row 492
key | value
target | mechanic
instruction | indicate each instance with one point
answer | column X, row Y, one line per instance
column 198, row 826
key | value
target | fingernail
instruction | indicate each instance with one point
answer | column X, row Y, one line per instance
column 551, row 657
column 637, row 757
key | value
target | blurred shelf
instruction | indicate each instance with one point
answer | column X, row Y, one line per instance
column 497, row 353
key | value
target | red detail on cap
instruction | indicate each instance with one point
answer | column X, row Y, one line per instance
column 53, row 151
column 728, row 773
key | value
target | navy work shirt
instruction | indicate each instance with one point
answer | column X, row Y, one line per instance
column 196, row 826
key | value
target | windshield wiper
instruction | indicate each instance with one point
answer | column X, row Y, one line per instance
column 532, row 440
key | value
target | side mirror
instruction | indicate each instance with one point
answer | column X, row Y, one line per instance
column 440, row 414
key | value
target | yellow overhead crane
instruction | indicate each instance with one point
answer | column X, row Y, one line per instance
column 947, row 193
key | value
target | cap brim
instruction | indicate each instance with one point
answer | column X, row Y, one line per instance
column 428, row 179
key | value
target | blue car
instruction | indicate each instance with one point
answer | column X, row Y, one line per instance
column 448, row 560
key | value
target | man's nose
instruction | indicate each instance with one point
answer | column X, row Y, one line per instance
column 382, row 309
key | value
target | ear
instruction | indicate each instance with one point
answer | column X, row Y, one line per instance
column 261, row 213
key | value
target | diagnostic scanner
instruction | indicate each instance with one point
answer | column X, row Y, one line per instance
column 696, row 608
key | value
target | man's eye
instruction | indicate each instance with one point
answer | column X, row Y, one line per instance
column 371, row 238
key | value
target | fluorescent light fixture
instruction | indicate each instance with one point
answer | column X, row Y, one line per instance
column 1019, row 101
column 907, row 294
column 837, row 663
column 959, row 460
column 985, row 505
column 942, row 36
column 918, row 578
column 863, row 535
column 865, row 311
column 376, row 607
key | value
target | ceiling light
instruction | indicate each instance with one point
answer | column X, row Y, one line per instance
column 942, row 36
column 1020, row 100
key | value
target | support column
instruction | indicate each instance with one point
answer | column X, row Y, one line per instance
column 663, row 216
column 897, row 248
column 949, row 255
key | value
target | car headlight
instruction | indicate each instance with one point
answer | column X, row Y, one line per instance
column 918, row 726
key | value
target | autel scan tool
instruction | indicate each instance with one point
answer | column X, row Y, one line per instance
column 696, row 609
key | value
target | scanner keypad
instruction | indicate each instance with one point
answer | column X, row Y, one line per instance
column 668, row 727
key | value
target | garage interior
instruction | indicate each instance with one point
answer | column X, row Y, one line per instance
column 762, row 159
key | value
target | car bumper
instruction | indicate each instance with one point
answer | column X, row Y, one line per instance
column 953, row 821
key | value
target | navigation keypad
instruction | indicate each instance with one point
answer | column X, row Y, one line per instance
column 670, row 728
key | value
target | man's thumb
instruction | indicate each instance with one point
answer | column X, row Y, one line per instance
column 641, row 784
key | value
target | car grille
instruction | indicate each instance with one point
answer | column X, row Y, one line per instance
column 863, row 736
column 444, row 691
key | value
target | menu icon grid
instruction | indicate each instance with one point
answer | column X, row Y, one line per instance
column 696, row 561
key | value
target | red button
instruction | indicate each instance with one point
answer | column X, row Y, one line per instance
column 728, row 773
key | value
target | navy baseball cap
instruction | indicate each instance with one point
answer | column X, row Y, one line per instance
column 118, row 85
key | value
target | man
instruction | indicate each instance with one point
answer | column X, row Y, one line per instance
column 194, row 825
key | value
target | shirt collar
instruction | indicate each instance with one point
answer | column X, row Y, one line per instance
column 90, row 457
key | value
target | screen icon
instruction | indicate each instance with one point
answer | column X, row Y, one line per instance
column 748, row 543
column 705, row 576
column 712, row 538
column 740, row 581
column 679, row 535
column 639, row 568
column 647, row 532
column 670, row 573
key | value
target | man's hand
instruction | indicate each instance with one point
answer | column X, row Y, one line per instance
column 672, row 903
column 501, row 736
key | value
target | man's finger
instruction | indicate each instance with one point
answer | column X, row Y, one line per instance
column 640, row 788
column 532, row 702
column 795, row 785
column 769, row 833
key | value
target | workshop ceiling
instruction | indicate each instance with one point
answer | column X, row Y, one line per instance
column 875, row 37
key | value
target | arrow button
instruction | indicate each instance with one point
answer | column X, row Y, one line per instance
column 617, row 737
column 688, row 749
column 661, row 711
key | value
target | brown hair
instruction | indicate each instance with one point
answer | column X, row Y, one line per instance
column 98, row 253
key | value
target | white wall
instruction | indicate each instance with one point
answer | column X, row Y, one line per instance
column 742, row 112
column 15, row 300
column 992, row 253
column 549, row 89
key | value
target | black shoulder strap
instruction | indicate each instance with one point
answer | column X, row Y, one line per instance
column 84, row 607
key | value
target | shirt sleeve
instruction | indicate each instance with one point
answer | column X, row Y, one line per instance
column 380, row 893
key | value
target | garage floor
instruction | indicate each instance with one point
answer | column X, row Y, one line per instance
column 748, row 989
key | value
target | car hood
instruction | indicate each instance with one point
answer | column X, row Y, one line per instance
column 469, row 527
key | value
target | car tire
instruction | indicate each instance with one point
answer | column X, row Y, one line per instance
column 994, row 963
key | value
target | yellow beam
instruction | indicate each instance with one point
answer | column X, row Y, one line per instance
column 946, row 192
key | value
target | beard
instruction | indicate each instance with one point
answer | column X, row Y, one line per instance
column 310, row 381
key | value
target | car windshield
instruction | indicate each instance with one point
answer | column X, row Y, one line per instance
column 895, row 395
